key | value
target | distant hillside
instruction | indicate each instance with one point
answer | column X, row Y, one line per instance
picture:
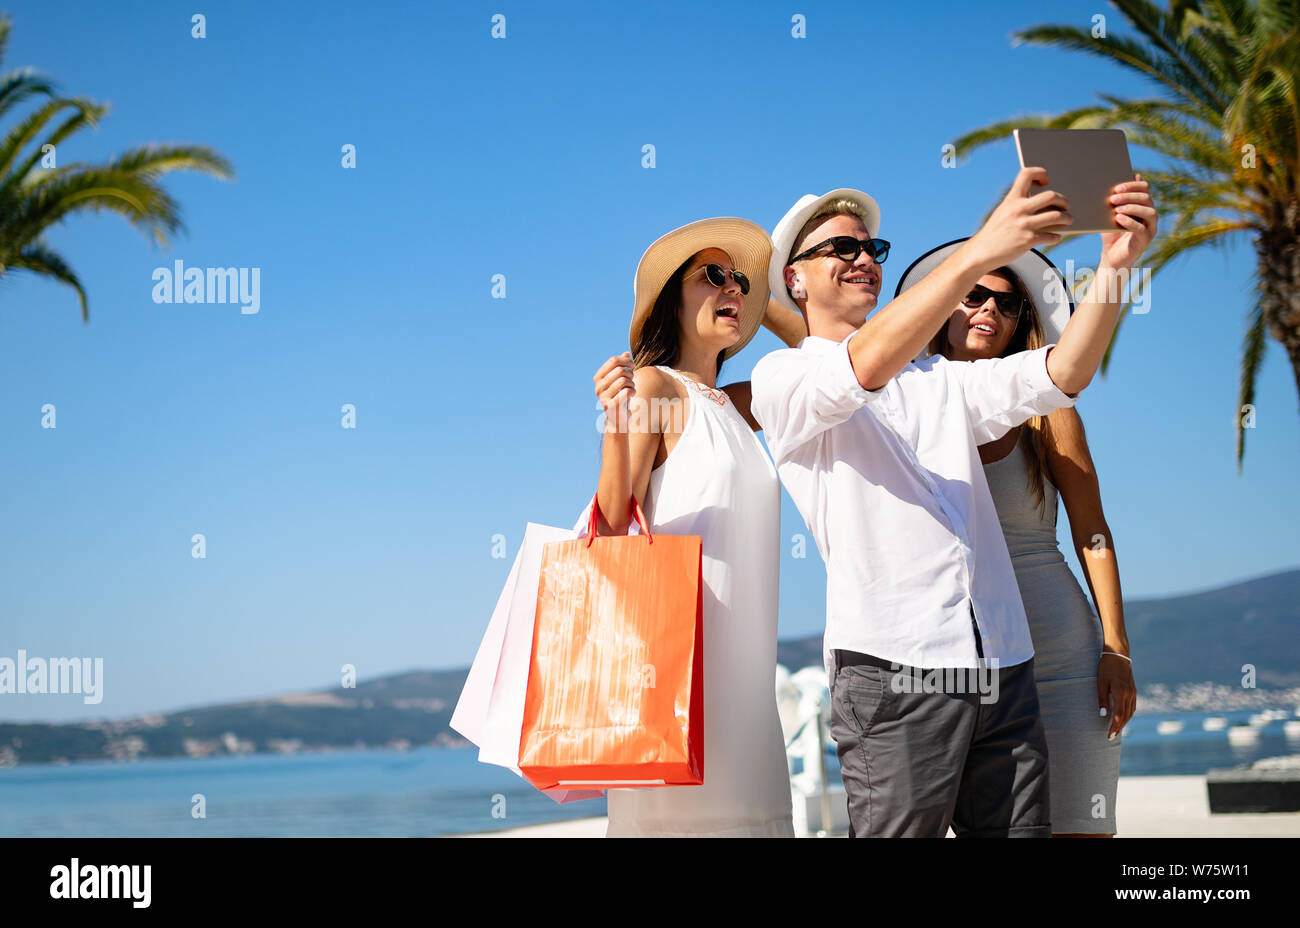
column 1209, row 636
column 398, row 711
column 1179, row 644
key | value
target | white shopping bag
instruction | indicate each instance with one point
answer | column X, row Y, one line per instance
column 470, row 715
column 490, row 711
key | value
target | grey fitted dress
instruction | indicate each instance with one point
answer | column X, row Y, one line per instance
column 1083, row 767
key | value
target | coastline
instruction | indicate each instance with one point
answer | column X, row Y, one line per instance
column 1148, row 807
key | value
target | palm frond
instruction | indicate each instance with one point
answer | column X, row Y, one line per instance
column 152, row 160
column 1273, row 16
column 1168, row 247
column 1001, row 131
column 1180, row 196
column 1162, row 28
column 1168, row 128
column 84, row 117
column 41, row 260
column 23, row 134
column 17, row 86
column 1128, row 53
column 1270, row 91
column 33, row 199
column 1252, row 356
column 55, row 194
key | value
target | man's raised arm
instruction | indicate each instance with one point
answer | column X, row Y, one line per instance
column 888, row 340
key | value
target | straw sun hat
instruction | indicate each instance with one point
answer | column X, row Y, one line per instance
column 747, row 245
column 1042, row 279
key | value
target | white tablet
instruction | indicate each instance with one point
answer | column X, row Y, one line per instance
column 1082, row 165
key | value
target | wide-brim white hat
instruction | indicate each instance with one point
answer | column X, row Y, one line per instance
column 790, row 224
column 745, row 242
column 1043, row 281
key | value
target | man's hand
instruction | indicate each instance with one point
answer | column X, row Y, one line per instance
column 1017, row 224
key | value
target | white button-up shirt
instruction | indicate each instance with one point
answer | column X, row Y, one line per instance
column 891, row 486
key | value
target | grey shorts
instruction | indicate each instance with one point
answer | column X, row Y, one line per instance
column 915, row 761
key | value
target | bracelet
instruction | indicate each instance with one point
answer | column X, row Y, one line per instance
column 1117, row 654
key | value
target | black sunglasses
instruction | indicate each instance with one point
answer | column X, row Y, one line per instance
column 717, row 276
column 1009, row 304
column 847, row 248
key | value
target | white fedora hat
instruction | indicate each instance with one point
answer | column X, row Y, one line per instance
column 790, row 224
column 1042, row 279
column 745, row 242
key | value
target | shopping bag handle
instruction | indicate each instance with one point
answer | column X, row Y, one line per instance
column 634, row 511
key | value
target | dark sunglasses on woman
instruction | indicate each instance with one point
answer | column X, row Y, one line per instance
column 717, row 276
column 847, row 248
column 1008, row 304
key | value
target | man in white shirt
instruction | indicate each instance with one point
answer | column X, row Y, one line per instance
column 880, row 455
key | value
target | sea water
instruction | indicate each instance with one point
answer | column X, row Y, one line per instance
column 421, row 792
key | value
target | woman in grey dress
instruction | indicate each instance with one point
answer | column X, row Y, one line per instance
column 1081, row 667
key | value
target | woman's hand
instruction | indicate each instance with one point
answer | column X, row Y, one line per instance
column 1135, row 214
column 1116, row 691
column 615, row 389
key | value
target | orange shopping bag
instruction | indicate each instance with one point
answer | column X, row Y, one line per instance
column 616, row 686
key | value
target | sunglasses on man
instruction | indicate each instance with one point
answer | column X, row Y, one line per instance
column 718, row 275
column 1009, row 304
column 847, row 248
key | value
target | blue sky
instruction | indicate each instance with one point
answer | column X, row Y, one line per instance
column 521, row 157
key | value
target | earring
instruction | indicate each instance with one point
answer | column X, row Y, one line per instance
column 797, row 289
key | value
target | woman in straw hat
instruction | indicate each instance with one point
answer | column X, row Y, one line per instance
column 685, row 449
column 1082, row 670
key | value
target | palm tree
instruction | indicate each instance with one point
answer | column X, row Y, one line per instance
column 1225, row 116
column 34, row 198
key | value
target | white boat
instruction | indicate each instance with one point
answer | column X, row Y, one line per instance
column 1243, row 734
column 1169, row 727
column 1260, row 719
column 1215, row 723
column 1277, row 714
column 1291, row 729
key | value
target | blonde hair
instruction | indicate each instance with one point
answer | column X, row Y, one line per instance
column 1027, row 336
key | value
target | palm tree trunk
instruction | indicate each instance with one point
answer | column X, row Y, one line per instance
column 1278, row 251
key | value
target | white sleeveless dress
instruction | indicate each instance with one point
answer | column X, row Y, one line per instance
column 1083, row 766
column 719, row 483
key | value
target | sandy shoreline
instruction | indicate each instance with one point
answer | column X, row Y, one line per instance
column 1147, row 807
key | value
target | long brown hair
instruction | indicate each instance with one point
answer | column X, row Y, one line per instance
column 660, row 340
column 1027, row 336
